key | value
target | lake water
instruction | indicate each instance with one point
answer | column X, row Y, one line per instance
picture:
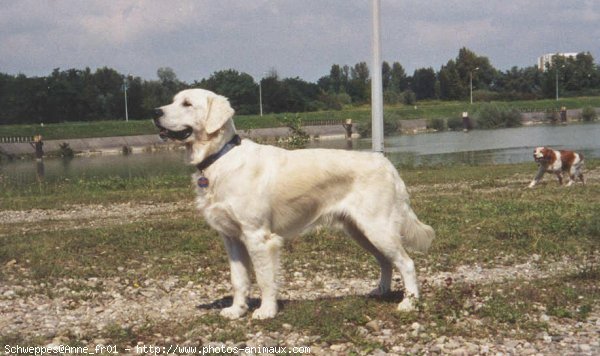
column 475, row 147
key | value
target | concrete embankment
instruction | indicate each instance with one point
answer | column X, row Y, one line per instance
column 146, row 143
column 143, row 143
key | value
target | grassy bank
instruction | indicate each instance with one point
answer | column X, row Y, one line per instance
column 423, row 110
column 483, row 216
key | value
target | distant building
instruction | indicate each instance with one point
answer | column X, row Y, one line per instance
column 547, row 58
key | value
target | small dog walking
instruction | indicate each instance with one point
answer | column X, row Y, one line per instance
column 557, row 162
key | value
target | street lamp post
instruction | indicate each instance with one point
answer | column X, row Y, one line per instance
column 260, row 96
column 471, row 83
column 556, row 85
column 125, row 86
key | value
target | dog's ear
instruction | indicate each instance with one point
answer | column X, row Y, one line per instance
column 219, row 111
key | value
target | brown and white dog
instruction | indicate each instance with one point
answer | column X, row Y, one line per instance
column 557, row 162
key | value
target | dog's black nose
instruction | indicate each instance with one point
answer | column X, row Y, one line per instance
column 158, row 113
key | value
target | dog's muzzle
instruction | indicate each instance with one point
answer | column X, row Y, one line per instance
column 166, row 134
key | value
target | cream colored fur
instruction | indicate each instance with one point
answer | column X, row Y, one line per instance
column 259, row 196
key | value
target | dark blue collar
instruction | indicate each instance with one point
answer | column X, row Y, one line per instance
column 235, row 141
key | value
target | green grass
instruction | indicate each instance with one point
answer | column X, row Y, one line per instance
column 93, row 190
column 422, row 110
column 482, row 216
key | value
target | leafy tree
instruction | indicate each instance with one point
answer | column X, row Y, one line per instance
column 240, row 88
column 337, row 81
column 423, row 83
column 470, row 64
column 399, row 80
column 519, row 83
column 386, row 76
column 358, row 87
column 451, row 87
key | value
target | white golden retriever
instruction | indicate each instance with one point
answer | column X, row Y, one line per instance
column 257, row 196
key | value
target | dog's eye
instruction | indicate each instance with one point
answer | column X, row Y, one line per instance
column 186, row 103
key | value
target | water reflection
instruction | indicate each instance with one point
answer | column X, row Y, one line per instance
column 40, row 170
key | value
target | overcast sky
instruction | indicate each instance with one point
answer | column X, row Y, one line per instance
column 297, row 38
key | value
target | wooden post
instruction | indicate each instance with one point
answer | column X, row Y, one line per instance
column 348, row 126
column 38, row 144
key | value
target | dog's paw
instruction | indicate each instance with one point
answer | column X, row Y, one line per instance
column 265, row 312
column 233, row 312
column 379, row 291
column 406, row 305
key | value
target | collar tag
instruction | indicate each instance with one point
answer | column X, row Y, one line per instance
column 203, row 182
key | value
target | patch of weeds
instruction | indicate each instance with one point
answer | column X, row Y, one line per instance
column 334, row 320
column 121, row 336
column 502, row 309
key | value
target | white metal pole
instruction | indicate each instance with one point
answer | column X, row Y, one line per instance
column 260, row 96
column 125, row 91
column 556, row 83
column 471, row 85
column 376, row 82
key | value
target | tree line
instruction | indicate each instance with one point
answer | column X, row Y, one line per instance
column 83, row 95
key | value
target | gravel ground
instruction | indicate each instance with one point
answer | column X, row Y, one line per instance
column 78, row 309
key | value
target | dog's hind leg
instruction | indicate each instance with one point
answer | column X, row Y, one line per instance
column 559, row 176
column 385, row 281
column 239, row 263
column 576, row 173
column 384, row 236
column 264, row 249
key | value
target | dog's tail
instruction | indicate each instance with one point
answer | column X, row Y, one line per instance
column 416, row 236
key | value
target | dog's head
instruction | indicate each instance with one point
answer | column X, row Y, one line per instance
column 542, row 154
column 193, row 114
column 199, row 118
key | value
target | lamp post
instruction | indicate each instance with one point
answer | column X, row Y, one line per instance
column 125, row 86
column 556, row 73
column 260, row 96
column 471, row 82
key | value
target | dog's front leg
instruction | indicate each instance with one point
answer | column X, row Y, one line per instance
column 538, row 176
column 264, row 249
column 239, row 263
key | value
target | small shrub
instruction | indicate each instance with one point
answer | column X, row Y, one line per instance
column 408, row 97
column 589, row 114
column 391, row 97
column 66, row 151
column 390, row 127
column 490, row 116
column 437, row 124
column 335, row 101
column 454, row 124
column 298, row 137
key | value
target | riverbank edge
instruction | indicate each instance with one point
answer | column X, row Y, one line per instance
column 151, row 143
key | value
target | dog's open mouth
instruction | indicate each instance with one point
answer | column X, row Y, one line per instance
column 181, row 135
